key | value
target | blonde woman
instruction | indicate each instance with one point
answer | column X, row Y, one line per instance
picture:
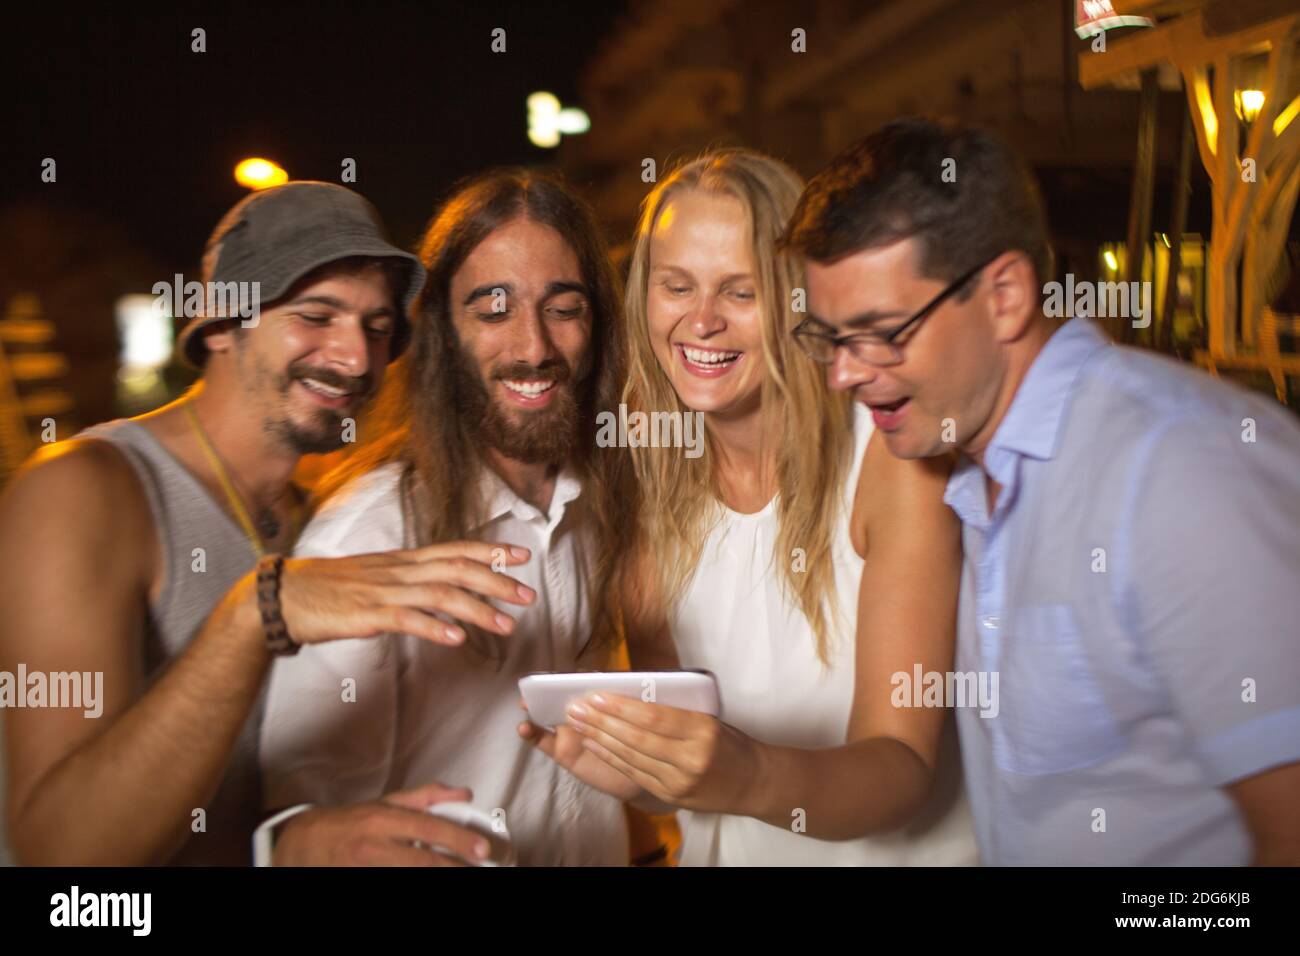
column 796, row 560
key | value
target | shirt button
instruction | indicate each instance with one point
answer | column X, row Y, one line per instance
column 990, row 621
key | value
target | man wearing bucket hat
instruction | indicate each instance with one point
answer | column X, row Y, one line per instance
column 144, row 558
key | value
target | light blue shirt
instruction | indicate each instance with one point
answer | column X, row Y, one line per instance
column 1137, row 591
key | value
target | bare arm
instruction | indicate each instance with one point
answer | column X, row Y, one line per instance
column 75, row 555
column 1270, row 802
column 120, row 789
column 907, row 609
column 645, row 624
column 880, row 778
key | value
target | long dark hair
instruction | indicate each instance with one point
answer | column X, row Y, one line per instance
column 416, row 418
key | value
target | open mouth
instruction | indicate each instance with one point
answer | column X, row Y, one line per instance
column 530, row 393
column 708, row 362
column 888, row 415
column 887, row 407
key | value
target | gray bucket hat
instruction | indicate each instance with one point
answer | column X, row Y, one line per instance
column 278, row 235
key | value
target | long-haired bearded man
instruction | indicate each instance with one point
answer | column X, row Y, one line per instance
column 486, row 430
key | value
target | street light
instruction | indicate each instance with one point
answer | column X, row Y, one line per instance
column 1249, row 103
column 547, row 120
column 260, row 174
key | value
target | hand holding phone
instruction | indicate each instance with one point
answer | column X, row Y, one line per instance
column 547, row 695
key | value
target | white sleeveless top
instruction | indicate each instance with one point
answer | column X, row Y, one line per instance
column 736, row 621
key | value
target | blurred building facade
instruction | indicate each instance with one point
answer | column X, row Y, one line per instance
column 61, row 272
column 802, row 81
column 679, row 76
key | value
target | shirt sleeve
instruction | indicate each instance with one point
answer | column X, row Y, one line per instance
column 329, row 724
column 1214, row 584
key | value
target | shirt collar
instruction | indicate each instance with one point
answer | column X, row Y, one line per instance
column 500, row 499
column 1032, row 424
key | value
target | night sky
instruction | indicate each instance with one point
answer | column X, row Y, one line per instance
column 146, row 133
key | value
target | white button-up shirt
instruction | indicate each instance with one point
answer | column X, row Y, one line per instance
column 350, row 720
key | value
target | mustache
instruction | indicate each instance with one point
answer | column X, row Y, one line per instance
column 359, row 385
column 552, row 370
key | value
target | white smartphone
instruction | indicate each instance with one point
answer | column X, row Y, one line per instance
column 547, row 695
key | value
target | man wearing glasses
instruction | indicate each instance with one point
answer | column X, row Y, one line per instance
column 1131, row 526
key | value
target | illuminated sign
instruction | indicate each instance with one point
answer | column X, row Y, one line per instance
column 1094, row 16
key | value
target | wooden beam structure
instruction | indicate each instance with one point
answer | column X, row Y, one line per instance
column 1253, row 163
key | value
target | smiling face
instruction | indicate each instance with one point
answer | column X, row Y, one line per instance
column 953, row 365
column 523, row 321
column 702, row 303
column 315, row 356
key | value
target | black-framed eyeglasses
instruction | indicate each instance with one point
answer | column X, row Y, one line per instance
column 871, row 347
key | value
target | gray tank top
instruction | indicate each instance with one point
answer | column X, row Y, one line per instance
column 204, row 552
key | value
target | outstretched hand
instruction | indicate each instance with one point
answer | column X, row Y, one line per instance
column 327, row 599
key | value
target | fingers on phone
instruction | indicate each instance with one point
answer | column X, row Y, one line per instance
column 539, row 737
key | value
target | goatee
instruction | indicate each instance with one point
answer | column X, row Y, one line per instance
column 325, row 433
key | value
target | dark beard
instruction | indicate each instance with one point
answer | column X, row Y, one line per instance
column 325, row 433
column 325, row 436
column 546, row 436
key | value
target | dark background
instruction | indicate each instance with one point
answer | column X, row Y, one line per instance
column 146, row 133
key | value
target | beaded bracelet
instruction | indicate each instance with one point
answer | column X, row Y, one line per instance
column 278, row 641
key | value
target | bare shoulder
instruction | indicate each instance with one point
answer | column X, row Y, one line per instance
column 80, row 491
column 89, row 469
column 892, row 489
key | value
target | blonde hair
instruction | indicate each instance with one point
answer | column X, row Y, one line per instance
column 807, row 425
